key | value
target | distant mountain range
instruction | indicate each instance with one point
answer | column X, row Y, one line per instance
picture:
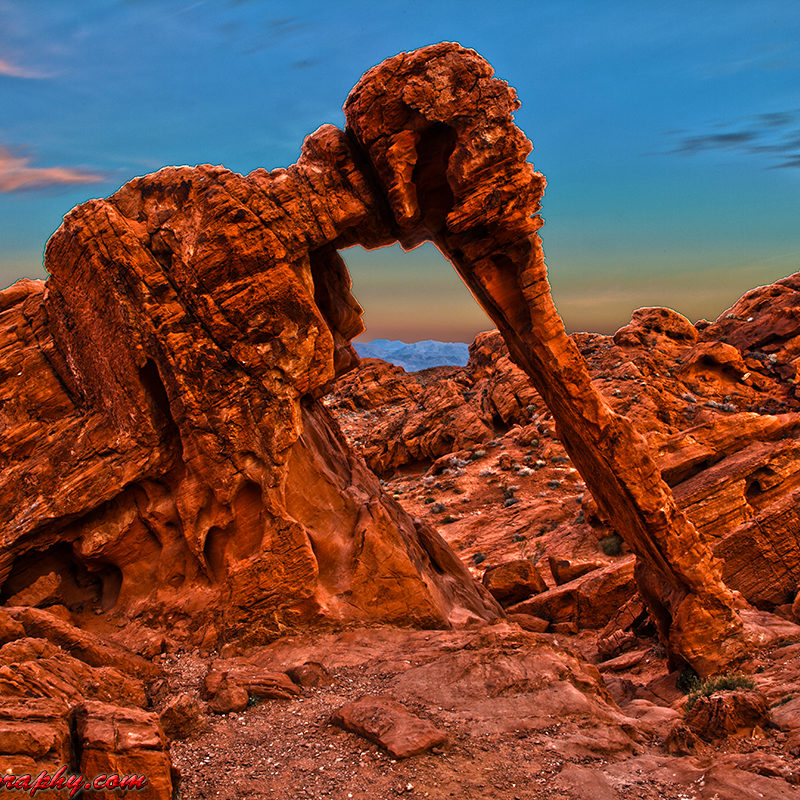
column 414, row 356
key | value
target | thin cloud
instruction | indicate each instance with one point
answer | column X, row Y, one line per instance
column 774, row 136
column 15, row 71
column 714, row 141
column 18, row 175
column 776, row 119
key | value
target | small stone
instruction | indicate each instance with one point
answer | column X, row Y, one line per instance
column 312, row 673
column 182, row 717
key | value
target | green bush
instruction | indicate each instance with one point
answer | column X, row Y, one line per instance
column 688, row 680
column 719, row 683
column 611, row 545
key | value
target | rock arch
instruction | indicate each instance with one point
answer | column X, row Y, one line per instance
column 193, row 319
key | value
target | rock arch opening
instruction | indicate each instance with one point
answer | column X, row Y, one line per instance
column 412, row 296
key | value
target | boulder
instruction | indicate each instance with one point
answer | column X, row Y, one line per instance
column 388, row 723
column 182, row 717
column 727, row 713
column 311, row 674
column 528, row 622
column 229, row 686
column 513, row 581
column 564, row 570
column 589, row 601
column 124, row 741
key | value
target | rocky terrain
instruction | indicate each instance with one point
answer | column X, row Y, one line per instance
column 240, row 563
column 474, row 450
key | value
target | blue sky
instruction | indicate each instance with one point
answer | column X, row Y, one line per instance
column 669, row 133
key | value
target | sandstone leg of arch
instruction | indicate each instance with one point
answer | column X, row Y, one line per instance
column 438, row 133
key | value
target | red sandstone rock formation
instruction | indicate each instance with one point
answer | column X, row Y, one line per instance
column 513, row 581
column 387, row 723
column 172, row 462
column 68, row 699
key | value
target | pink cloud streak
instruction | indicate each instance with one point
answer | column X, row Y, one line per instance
column 17, row 174
column 14, row 71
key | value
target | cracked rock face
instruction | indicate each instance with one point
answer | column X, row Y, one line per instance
column 167, row 459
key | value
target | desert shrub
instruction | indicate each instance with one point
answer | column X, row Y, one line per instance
column 550, row 526
column 688, row 680
column 719, row 683
column 437, row 508
column 611, row 545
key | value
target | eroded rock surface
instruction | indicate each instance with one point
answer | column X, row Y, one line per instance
column 523, row 715
column 70, row 701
